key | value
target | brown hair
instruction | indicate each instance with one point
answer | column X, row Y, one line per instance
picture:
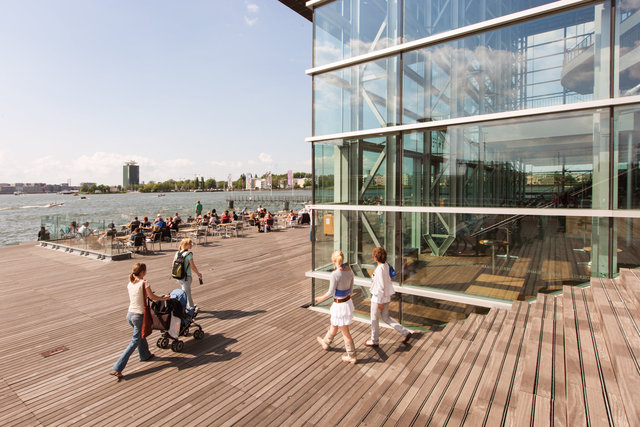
column 380, row 255
column 137, row 269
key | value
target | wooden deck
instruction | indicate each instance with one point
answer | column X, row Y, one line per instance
column 563, row 360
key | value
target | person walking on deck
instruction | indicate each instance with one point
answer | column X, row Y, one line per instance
column 340, row 289
column 185, row 284
column 381, row 292
column 139, row 291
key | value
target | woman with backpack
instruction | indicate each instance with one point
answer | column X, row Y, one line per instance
column 188, row 266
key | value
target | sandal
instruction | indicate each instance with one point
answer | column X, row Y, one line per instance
column 118, row 375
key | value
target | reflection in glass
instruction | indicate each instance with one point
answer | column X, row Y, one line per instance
column 426, row 18
column 496, row 256
column 627, row 42
column 356, row 171
column 553, row 60
column 627, row 250
column 347, row 28
column 627, row 141
column 360, row 97
column 544, row 161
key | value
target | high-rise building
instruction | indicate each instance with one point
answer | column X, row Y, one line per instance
column 130, row 174
column 492, row 147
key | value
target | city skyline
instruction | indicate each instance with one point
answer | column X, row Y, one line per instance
column 87, row 87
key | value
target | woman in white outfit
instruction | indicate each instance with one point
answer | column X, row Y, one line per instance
column 340, row 289
column 381, row 292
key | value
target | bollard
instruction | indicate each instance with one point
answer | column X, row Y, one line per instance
column 286, row 205
column 229, row 204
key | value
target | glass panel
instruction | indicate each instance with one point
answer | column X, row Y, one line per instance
column 627, row 141
column 628, row 243
column 548, row 61
column 426, row 18
column 496, row 256
column 356, row 234
column 356, row 171
column 347, row 28
column 545, row 161
column 627, row 43
column 360, row 97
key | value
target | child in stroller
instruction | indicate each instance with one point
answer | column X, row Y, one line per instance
column 174, row 320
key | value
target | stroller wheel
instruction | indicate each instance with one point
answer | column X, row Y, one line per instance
column 159, row 343
column 198, row 334
column 164, row 343
column 185, row 332
column 177, row 346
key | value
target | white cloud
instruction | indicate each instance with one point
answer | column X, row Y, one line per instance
column 265, row 158
column 252, row 162
column 252, row 10
column 250, row 21
column 225, row 164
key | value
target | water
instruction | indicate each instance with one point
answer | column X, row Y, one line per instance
column 21, row 216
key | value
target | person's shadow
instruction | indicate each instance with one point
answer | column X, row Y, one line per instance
column 228, row 314
column 210, row 349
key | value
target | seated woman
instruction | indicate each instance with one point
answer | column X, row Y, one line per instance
column 156, row 234
column 145, row 222
column 268, row 221
column 226, row 219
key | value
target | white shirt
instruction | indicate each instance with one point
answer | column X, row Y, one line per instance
column 84, row 231
column 381, row 286
column 136, row 297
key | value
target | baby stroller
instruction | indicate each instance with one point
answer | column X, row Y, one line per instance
column 174, row 320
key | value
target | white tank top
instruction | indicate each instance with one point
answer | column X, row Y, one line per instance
column 136, row 297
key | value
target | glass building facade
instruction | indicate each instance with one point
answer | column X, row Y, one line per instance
column 491, row 147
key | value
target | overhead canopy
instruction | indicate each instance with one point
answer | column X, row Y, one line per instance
column 299, row 7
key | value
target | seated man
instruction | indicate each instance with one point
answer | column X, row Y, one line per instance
column 43, row 234
column 84, row 230
column 226, row 219
column 137, row 239
column 160, row 222
column 177, row 220
column 134, row 224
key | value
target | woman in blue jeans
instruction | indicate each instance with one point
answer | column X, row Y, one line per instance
column 139, row 291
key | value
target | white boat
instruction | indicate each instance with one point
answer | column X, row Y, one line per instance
column 53, row 205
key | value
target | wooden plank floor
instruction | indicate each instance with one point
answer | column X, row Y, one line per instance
column 562, row 360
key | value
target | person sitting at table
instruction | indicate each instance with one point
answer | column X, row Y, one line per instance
column 111, row 231
column 243, row 212
column 156, row 234
column 234, row 215
column 226, row 219
column 137, row 239
column 146, row 223
column 170, row 223
column 134, row 224
column 43, row 234
column 84, row 230
column 177, row 220
column 160, row 222
column 261, row 211
column 215, row 219
column 204, row 221
column 268, row 221
column 71, row 228
column 253, row 219
column 291, row 217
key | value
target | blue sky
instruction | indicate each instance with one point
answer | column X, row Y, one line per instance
column 207, row 87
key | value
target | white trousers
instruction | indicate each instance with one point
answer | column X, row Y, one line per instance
column 375, row 322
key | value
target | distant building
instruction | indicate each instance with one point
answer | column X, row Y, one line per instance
column 130, row 174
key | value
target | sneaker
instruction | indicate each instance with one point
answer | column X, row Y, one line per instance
column 324, row 345
column 407, row 338
column 370, row 343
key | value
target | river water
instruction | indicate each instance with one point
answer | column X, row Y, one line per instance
column 21, row 216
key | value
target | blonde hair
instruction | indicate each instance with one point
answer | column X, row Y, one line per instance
column 337, row 256
column 137, row 269
column 184, row 243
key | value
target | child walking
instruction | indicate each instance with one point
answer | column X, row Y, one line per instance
column 381, row 292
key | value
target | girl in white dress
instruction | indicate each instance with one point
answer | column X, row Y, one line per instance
column 340, row 289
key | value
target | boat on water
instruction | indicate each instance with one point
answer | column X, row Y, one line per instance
column 53, row 205
column 18, row 193
column 83, row 197
column 161, row 195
